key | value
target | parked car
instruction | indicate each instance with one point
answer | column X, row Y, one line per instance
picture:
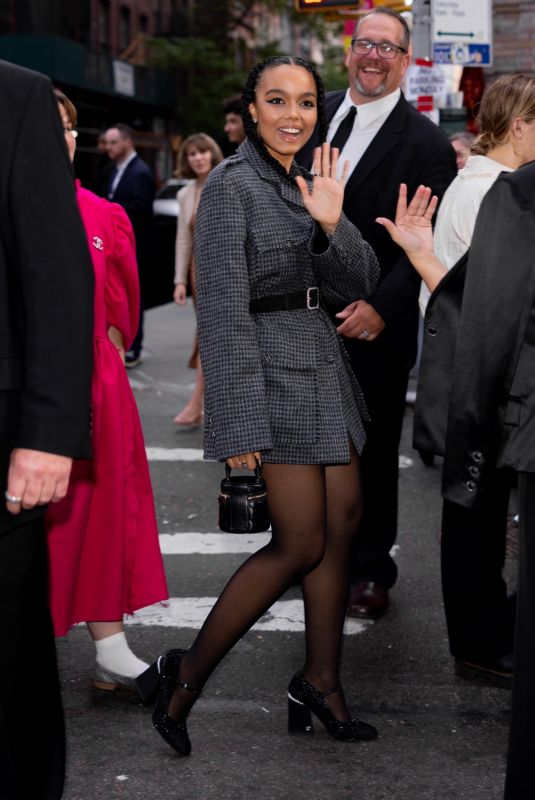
column 159, row 286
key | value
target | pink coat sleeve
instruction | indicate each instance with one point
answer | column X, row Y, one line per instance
column 122, row 281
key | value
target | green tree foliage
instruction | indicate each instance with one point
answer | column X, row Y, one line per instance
column 210, row 60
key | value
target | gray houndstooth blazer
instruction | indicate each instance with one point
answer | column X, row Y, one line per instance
column 277, row 382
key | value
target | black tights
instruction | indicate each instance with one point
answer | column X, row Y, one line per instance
column 315, row 511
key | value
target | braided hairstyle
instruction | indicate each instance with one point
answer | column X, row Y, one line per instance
column 249, row 96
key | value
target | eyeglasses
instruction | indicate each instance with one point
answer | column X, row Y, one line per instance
column 72, row 133
column 363, row 47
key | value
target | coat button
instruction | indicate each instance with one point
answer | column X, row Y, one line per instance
column 432, row 329
column 268, row 359
column 289, row 243
column 474, row 471
column 330, row 358
column 477, row 456
column 471, row 486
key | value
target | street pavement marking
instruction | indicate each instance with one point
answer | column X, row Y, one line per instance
column 196, row 454
column 211, row 543
column 190, row 612
column 174, row 454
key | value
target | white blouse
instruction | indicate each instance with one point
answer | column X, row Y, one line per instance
column 458, row 212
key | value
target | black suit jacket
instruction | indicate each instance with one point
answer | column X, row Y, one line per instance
column 409, row 149
column 46, row 282
column 441, row 328
column 135, row 193
column 491, row 419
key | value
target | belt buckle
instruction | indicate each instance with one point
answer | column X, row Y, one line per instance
column 313, row 304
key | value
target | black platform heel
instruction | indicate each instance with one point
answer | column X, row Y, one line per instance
column 158, row 683
column 305, row 700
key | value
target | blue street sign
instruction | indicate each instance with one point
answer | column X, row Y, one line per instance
column 464, row 53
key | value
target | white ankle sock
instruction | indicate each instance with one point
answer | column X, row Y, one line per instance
column 114, row 654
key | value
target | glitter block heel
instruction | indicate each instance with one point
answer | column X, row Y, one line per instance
column 159, row 682
column 303, row 698
column 299, row 717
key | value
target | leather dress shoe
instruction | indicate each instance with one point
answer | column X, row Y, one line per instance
column 367, row 600
column 497, row 672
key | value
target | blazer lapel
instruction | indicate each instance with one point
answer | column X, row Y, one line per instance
column 386, row 138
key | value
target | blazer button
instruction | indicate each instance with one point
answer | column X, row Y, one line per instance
column 471, row 486
column 477, row 456
column 330, row 358
column 431, row 329
column 474, row 471
column 268, row 359
column 289, row 243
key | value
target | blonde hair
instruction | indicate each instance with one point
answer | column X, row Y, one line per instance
column 509, row 97
column 202, row 142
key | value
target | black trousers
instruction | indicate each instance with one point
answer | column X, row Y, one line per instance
column 32, row 740
column 479, row 617
column 521, row 756
column 384, row 384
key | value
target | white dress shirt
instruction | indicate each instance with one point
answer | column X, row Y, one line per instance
column 458, row 212
column 370, row 117
column 120, row 167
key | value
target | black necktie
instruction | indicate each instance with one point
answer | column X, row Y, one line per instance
column 344, row 129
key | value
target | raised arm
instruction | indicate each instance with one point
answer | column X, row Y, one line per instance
column 413, row 232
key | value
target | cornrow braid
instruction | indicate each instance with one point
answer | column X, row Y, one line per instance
column 249, row 96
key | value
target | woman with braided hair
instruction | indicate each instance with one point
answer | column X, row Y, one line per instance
column 272, row 249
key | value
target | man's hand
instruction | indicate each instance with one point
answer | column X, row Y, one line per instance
column 36, row 478
column 360, row 321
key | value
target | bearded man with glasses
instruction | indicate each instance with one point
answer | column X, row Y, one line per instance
column 386, row 142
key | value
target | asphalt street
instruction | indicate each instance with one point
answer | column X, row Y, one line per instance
column 440, row 737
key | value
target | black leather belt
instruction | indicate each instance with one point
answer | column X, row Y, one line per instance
column 308, row 298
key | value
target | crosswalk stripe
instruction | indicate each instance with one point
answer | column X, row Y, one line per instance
column 190, row 612
column 196, row 454
column 174, row 453
column 211, row 543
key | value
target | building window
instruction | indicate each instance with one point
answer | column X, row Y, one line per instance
column 104, row 25
column 124, row 28
column 143, row 23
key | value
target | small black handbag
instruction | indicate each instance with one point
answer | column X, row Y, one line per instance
column 243, row 503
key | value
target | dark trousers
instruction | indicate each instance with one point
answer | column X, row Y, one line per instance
column 521, row 756
column 137, row 344
column 479, row 617
column 384, row 385
column 32, row 741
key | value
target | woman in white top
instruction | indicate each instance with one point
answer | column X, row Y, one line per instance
column 505, row 142
column 198, row 155
column 479, row 614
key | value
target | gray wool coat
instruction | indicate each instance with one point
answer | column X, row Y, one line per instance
column 277, row 382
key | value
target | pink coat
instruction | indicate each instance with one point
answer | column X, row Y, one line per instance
column 105, row 559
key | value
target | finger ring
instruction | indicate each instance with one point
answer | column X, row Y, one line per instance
column 317, row 174
column 11, row 498
column 365, row 334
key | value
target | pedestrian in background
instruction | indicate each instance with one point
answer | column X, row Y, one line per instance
column 198, row 155
column 46, row 301
column 131, row 184
column 103, row 544
column 387, row 142
column 233, row 121
column 271, row 247
column 461, row 143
